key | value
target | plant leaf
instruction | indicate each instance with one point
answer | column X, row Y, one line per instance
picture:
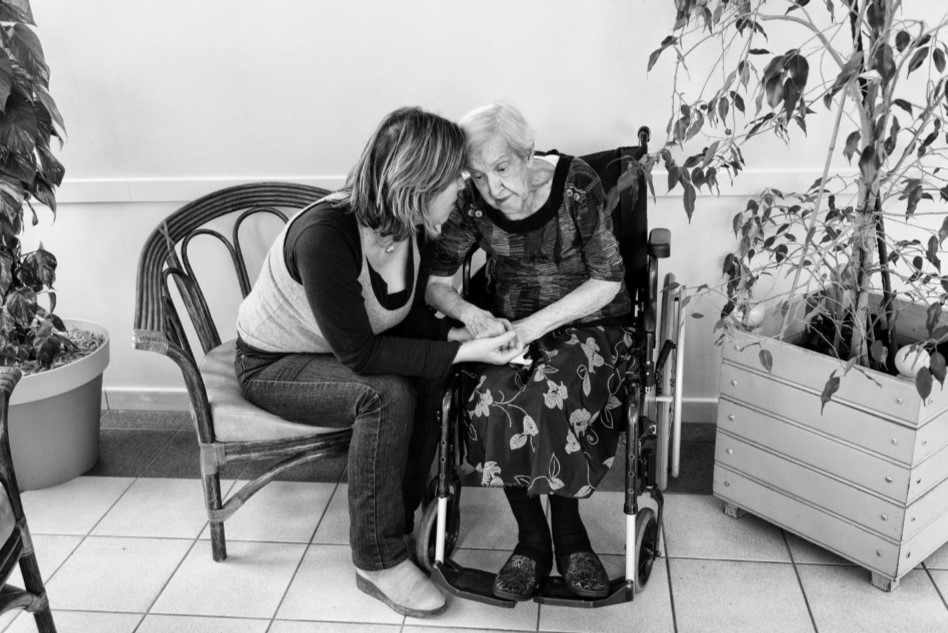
column 938, row 368
column 852, row 143
column 766, row 359
column 923, row 382
column 831, row 387
column 917, row 59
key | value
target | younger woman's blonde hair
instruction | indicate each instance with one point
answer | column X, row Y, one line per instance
column 411, row 157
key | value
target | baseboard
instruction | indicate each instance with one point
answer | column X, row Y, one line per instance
column 146, row 399
column 694, row 410
column 699, row 410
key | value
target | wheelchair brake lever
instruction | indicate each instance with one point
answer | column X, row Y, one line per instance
column 667, row 348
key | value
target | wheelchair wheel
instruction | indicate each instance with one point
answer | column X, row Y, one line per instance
column 646, row 546
column 666, row 382
column 427, row 536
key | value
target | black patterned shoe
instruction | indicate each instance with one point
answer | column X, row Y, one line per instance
column 584, row 574
column 519, row 578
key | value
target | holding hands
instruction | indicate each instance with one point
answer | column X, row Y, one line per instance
column 483, row 324
column 496, row 350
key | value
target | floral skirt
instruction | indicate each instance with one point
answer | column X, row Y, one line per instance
column 552, row 426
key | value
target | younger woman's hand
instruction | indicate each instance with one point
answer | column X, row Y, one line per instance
column 496, row 350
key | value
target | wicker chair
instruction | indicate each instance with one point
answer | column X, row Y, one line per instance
column 229, row 428
column 17, row 546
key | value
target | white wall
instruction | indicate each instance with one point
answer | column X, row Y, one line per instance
column 165, row 101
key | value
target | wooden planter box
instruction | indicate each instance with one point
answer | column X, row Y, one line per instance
column 867, row 479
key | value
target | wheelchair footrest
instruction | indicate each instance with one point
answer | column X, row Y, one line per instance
column 471, row 584
column 475, row 584
column 554, row 592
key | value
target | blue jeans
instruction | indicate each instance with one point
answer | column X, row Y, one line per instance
column 394, row 437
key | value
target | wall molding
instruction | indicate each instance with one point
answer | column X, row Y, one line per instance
column 142, row 190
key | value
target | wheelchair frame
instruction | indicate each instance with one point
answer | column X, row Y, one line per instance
column 652, row 416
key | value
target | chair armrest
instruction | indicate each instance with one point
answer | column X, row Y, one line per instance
column 155, row 341
column 9, row 377
column 659, row 243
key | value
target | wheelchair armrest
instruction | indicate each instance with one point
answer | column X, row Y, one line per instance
column 659, row 243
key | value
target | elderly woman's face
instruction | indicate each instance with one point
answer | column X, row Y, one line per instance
column 500, row 176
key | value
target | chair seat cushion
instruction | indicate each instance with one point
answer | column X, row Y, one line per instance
column 7, row 520
column 235, row 417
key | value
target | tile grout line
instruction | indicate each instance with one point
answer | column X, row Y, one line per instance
column 164, row 586
column 668, row 573
column 309, row 545
column 931, row 578
column 796, row 572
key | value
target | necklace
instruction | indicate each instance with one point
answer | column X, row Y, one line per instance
column 387, row 244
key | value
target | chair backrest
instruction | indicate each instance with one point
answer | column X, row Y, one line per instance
column 630, row 215
column 169, row 254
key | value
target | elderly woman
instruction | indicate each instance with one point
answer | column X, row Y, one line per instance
column 336, row 333
column 555, row 277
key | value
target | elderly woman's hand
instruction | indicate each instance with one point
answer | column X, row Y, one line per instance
column 483, row 324
column 528, row 330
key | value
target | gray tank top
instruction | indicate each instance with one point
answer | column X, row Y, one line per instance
column 275, row 316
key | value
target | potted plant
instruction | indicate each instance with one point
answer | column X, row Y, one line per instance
column 816, row 431
column 54, row 412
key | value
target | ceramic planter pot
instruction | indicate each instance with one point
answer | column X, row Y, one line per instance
column 866, row 479
column 54, row 418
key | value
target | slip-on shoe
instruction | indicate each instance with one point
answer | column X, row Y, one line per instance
column 584, row 574
column 404, row 588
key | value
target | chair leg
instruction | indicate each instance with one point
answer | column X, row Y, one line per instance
column 44, row 621
column 212, row 498
column 33, row 583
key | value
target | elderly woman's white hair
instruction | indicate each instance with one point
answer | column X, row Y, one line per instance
column 497, row 119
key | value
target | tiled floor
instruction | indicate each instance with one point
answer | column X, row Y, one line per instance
column 126, row 553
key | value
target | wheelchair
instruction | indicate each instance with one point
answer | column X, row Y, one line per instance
column 651, row 410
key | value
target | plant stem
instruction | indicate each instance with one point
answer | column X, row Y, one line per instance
column 811, row 229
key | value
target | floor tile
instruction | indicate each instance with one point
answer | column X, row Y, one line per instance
column 605, row 520
column 193, row 624
column 115, row 573
column 938, row 559
column 334, row 525
column 842, row 601
column 714, row 596
column 51, row 550
column 445, row 629
column 172, row 508
column 806, row 553
column 327, row 573
column 81, row 622
column 649, row 612
column 249, row 584
column 284, row 511
column 477, row 615
column 696, row 527
column 73, row 507
column 940, row 578
column 285, row 626
column 486, row 520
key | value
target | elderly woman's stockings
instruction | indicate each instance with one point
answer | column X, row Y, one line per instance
column 569, row 533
